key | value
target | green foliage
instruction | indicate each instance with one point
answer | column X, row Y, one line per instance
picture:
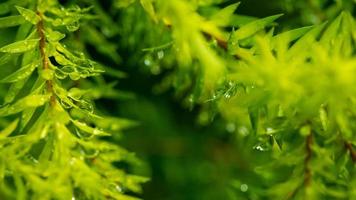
column 285, row 96
column 53, row 147
column 288, row 95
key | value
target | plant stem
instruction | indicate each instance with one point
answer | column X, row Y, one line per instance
column 45, row 65
column 308, row 148
column 350, row 149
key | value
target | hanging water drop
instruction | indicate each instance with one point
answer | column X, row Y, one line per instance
column 118, row 188
column 227, row 96
column 147, row 62
column 230, row 127
column 244, row 187
column 73, row 26
column 270, row 130
column 259, row 148
column 160, row 54
column 155, row 69
column 243, row 131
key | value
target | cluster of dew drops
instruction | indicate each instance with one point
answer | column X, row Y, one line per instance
column 153, row 61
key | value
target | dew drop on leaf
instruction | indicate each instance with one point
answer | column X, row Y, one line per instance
column 160, row 54
column 230, row 127
column 227, row 96
column 147, row 62
column 243, row 131
column 155, row 69
column 259, row 148
column 73, row 26
column 244, row 187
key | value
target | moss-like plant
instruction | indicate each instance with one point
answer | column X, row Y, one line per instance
column 54, row 147
column 287, row 97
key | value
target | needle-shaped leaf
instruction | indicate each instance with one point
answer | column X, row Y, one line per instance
column 5, row 59
column 9, row 129
column 332, row 30
column 11, row 21
column 20, row 46
column 292, row 34
column 224, row 16
column 30, row 101
column 14, row 90
column 54, row 36
column 86, row 128
column 253, row 27
column 22, row 73
column 148, row 6
column 29, row 15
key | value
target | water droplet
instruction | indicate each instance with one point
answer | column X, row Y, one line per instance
column 160, row 54
column 231, row 83
column 97, row 131
column 259, row 148
column 243, row 131
column 270, row 130
column 230, row 127
column 73, row 26
column 227, row 96
column 34, row 160
column 72, row 161
column 147, row 62
column 244, row 187
column 191, row 99
column 155, row 69
column 118, row 188
column 73, row 197
column 74, row 76
column 66, row 104
column 57, row 22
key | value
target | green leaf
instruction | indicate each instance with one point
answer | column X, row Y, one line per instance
column 223, row 17
column 22, row 73
column 14, row 90
column 306, row 40
column 147, row 5
column 29, row 15
column 20, row 46
column 5, row 59
column 332, row 31
column 54, row 36
column 11, row 21
column 93, row 131
column 30, row 101
column 5, row 7
column 240, row 20
column 253, row 27
column 292, row 34
column 9, row 129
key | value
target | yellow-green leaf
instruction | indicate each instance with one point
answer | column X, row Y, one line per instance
column 147, row 5
column 223, row 17
column 22, row 73
column 11, row 21
column 26, row 102
column 9, row 129
column 29, row 15
column 253, row 27
column 84, row 127
column 20, row 46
